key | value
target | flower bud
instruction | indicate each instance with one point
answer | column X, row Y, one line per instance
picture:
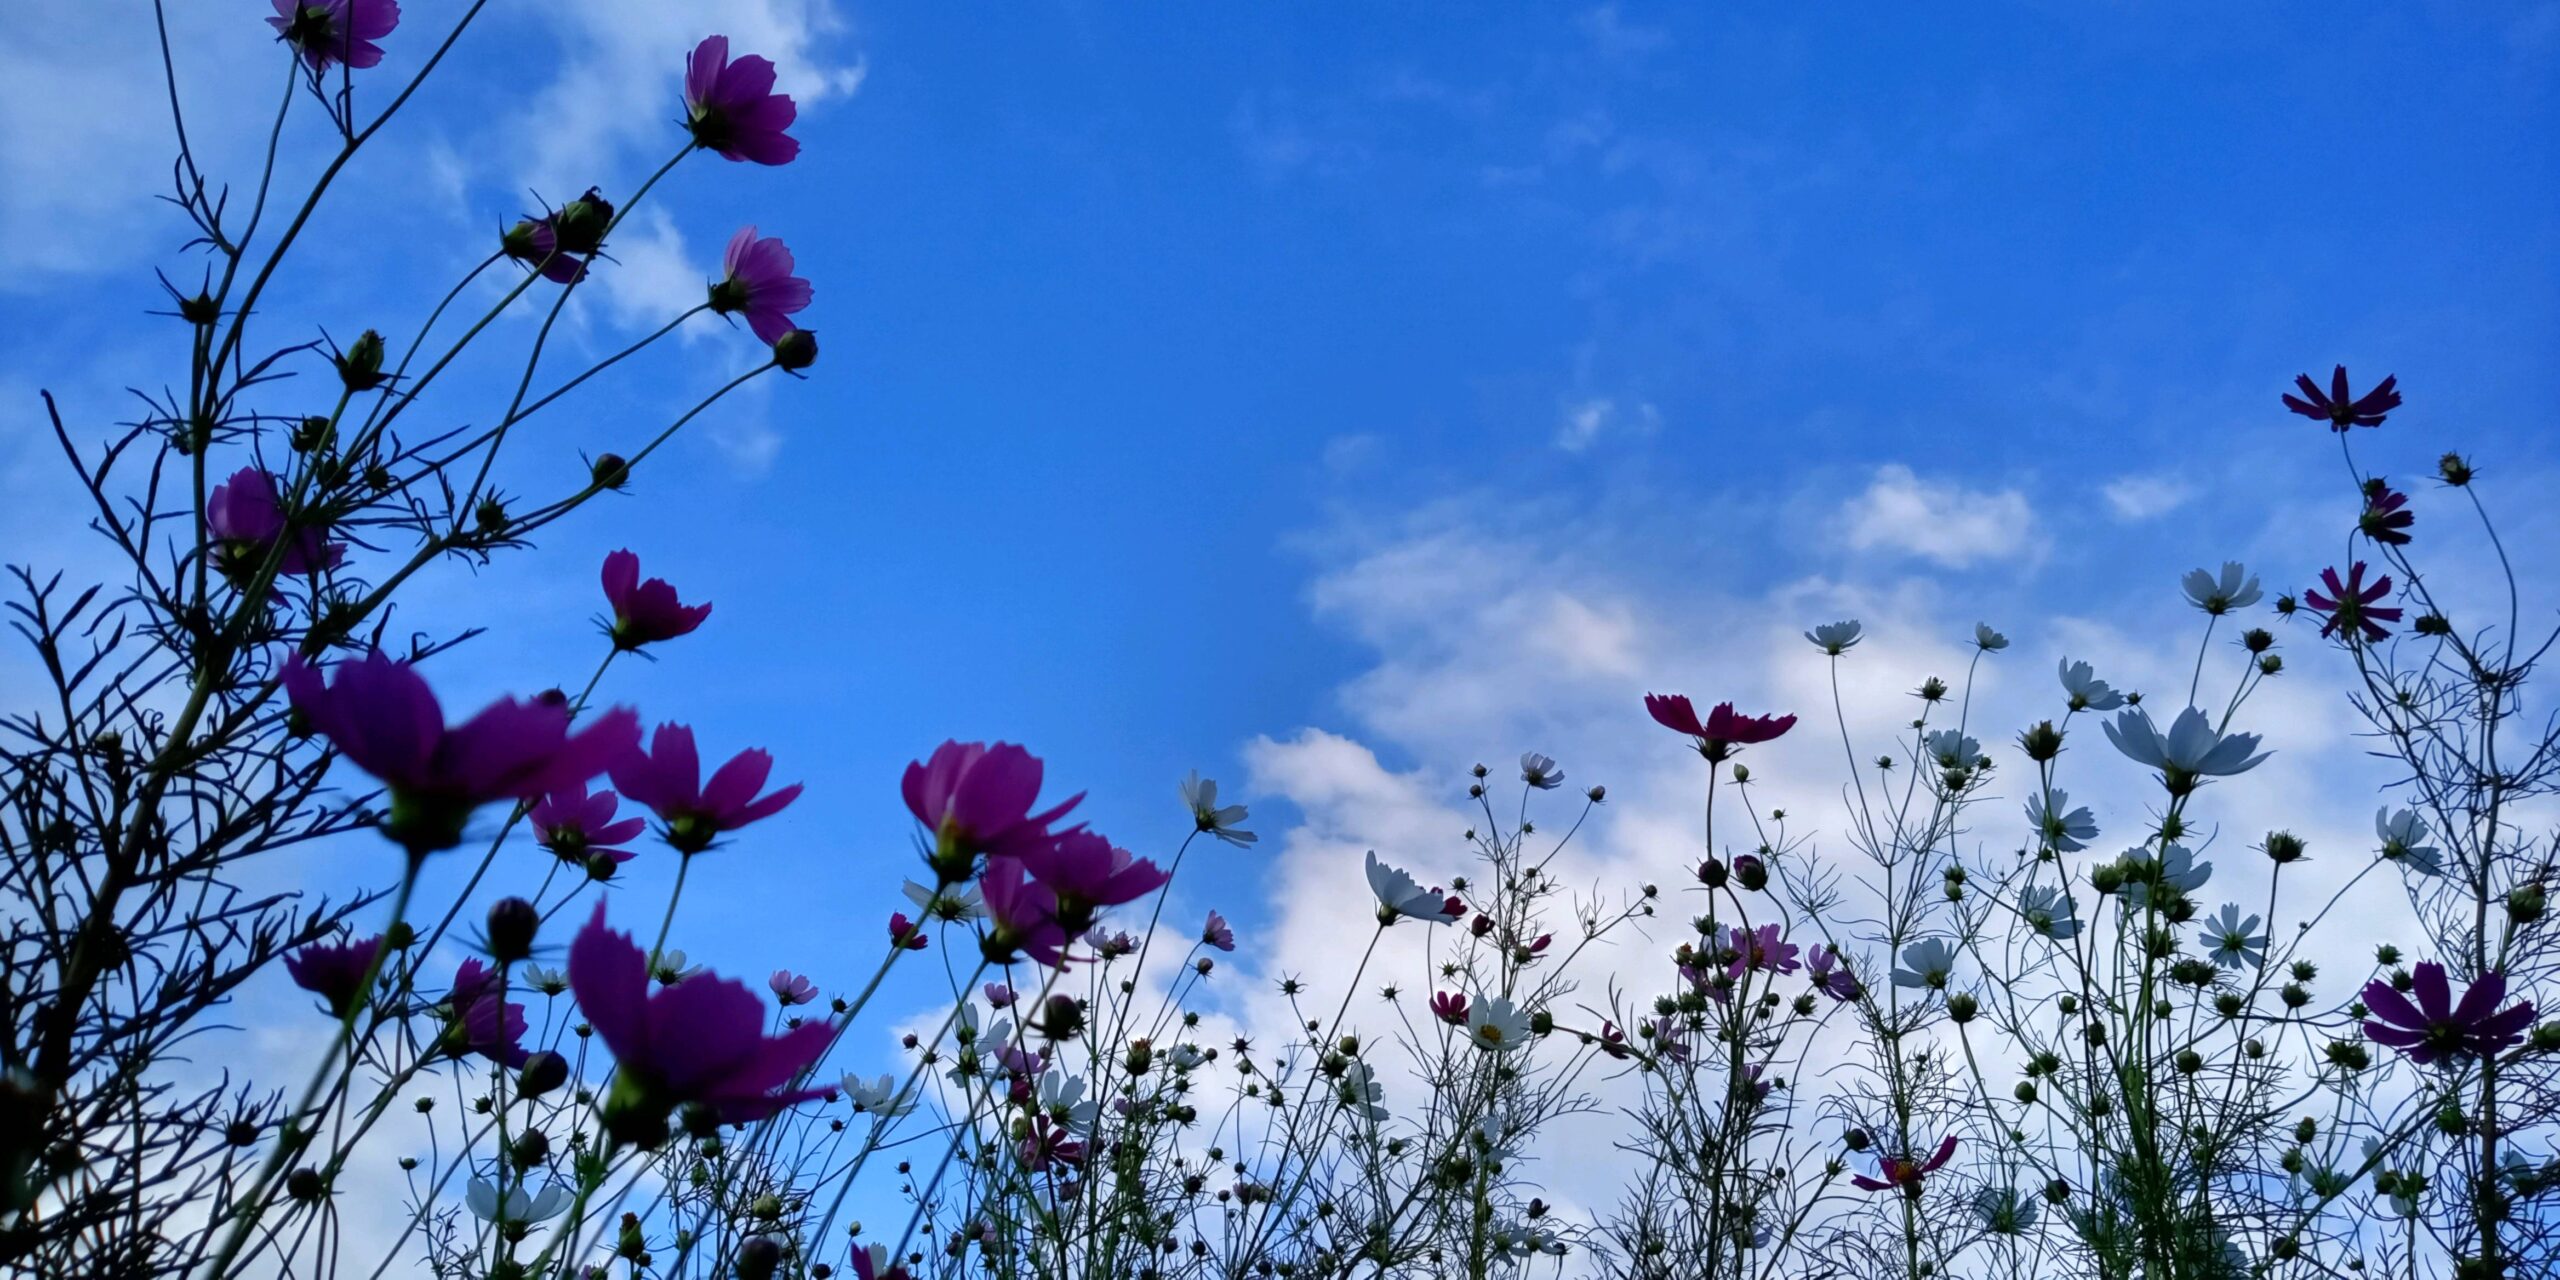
column 512, row 925
column 360, row 365
column 2455, row 469
column 313, row 433
column 795, row 350
column 2525, row 904
column 2041, row 743
column 1752, row 873
column 2546, row 1038
column 543, row 1072
column 304, row 1184
column 610, row 471
column 1712, row 873
column 1962, row 1007
column 759, row 1259
column 580, row 225
column 2283, row 847
column 529, row 1149
column 2432, row 624
column 1856, row 1139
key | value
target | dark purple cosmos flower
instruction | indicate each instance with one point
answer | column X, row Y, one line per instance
column 668, row 779
column 2386, row 517
column 1089, row 873
column 976, row 799
column 701, row 1040
column 2350, row 604
column 1449, row 1007
column 644, row 612
column 906, row 933
column 758, row 284
column 480, row 1018
column 2340, row 409
column 1760, row 948
column 1830, row 972
column 576, row 825
column 2434, row 1028
column 1670, row 1039
column 1722, row 730
column 1217, row 933
column 380, row 714
column 1049, row 1143
column 334, row 971
column 326, row 32
column 245, row 515
column 731, row 106
column 1022, row 916
column 1904, row 1172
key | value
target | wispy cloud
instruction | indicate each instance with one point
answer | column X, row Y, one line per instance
column 2141, row 497
column 1939, row 521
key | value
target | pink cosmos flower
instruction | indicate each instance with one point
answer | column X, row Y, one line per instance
column 1904, row 1172
column 482, row 1019
column 1760, row 948
column 326, row 32
column 644, row 612
column 334, row 971
column 2341, row 409
column 906, row 933
column 380, row 715
column 1217, row 934
column 1830, row 973
column 1049, row 1143
column 1670, row 1039
column 1450, row 1007
column 1088, row 873
column 668, row 779
column 1022, row 915
column 976, row 799
column 999, row 995
column 576, row 825
column 731, row 107
column 2350, row 604
column 1722, row 730
column 791, row 988
column 2435, row 1028
column 758, row 284
column 244, row 515
column 701, row 1040
column 1613, row 1041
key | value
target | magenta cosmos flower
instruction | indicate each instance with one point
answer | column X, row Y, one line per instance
column 334, row 971
column 2386, row 517
column 1089, row 873
column 1449, row 1007
column 731, row 106
column 668, row 779
column 1760, row 948
column 326, row 32
column 2435, row 1028
column 2350, row 604
column 1022, row 917
column 1903, row 1173
column 976, row 799
column 700, row 1040
column 758, row 284
column 1721, row 731
column 2340, row 409
column 644, row 612
column 1218, row 933
column 907, row 933
column 480, row 1019
column 1830, row 972
column 244, row 516
column 576, row 825
column 380, row 714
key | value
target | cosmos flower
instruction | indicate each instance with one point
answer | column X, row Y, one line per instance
column 976, row 799
column 873, row 1263
column 1450, row 1007
column 1200, row 796
column 1046, row 1144
column 483, row 1200
column 1089, row 873
column 644, row 612
column 1903, row 1173
column 792, row 988
column 2191, row 749
column 1951, row 748
column 2435, row 1028
column 2065, row 830
column 2350, row 604
column 2175, row 872
column 757, row 283
column 2340, row 409
column 668, row 779
column 481, row 1018
column 701, row 1040
column 2050, row 912
column 2403, row 835
column 1540, row 771
column 1670, row 1039
column 671, row 968
column 2086, row 691
column 381, row 716
column 2005, row 1210
column 1360, row 1093
column 1836, row 638
column 1022, row 916
column 575, row 825
column 244, row 517
column 1760, row 948
column 907, row 934
column 1497, row 1025
column 328, row 32
column 1830, row 972
column 334, row 971
column 949, row 904
column 1988, row 640
column 2235, row 941
column 2217, row 594
column 1721, row 730
column 2386, row 517
column 731, row 108
column 535, row 242
column 1399, row 897
column 878, row 1098
column 1926, row 964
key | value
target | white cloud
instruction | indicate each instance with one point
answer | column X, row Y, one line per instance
column 2140, row 497
column 1585, row 421
column 1941, row 522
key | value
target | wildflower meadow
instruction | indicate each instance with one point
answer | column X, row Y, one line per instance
column 340, row 942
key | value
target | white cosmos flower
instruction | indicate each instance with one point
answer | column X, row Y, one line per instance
column 2234, row 588
column 1360, row 1092
column 2005, row 1210
column 549, row 982
column 2049, row 911
column 1399, row 896
column 672, row 969
column 1926, row 964
column 878, row 1097
column 2191, row 746
column 2086, row 691
column 1836, row 638
column 1951, row 748
column 2066, row 829
column 483, row 1199
column 959, row 902
column 1540, row 771
column 1186, row 1056
column 1496, row 1024
column 1988, row 640
column 1062, row 1096
column 2177, row 871
column 1200, row 795
column 2235, row 940
column 2404, row 840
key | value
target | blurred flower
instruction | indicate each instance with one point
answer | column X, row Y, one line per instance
column 2386, row 517
column 976, row 799
column 1217, row 934
column 873, row 1263
column 1722, row 729
column 245, row 515
column 1830, row 972
column 483, row 1199
column 575, row 825
column 2435, row 1029
column 1200, row 795
column 1926, row 964
column 2050, row 912
column 2404, row 836
column 792, row 988
column 952, row 903
column 380, row 715
column 328, row 32
column 2192, row 747
column 2340, row 409
column 668, row 779
column 2005, row 1210
column 2234, row 588
column 1022, row 915
column 880, row 1098
column 1670, row 1039
column 1836, row 638
column 1045, row 1144
column 2235, row 941
column 1496, row 1024
column 1360, row 1092
column 334, row 971
column 731, row 107
column 2065, row 830
column 644, row 612
column 550, row 982
column 1988, row 640
column 1903, row 1173
column 2350, row 604
column 2086, row 690
column 1000, row 995
column 1089, row 873
column 758, row 284
column 700, row 1040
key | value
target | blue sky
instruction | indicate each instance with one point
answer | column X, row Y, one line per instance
column 1329, row 398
